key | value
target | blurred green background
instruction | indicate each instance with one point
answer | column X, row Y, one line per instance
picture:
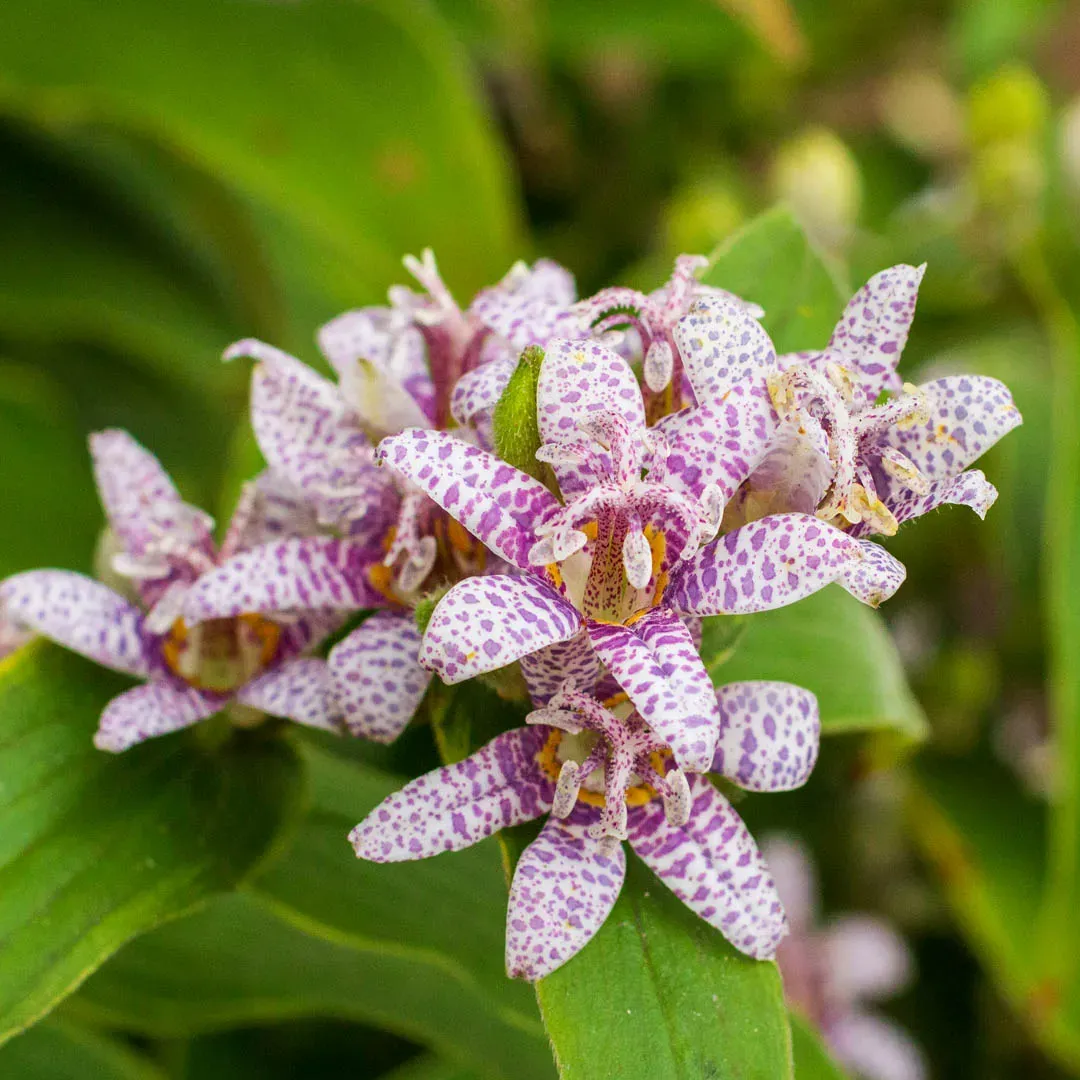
column 176, row 176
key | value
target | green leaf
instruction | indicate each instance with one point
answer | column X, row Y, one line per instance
column 58, row 1051
column 659, row 989
column 832, row 645
column 771, row 262
column 430, row 1068
column 95, row 848
column 357, row 122
column 416, row 948
column 812, row 1060
column 515, row 425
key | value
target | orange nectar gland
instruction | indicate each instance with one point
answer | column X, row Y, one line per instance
column 561, row 747
column 221, row 655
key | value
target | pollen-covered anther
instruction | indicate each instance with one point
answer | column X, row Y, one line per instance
column 566, row 789
column 903, row 470
column 637, row 558
column 712, row 506
column 864, row 506
column 658, row 367
column 841, row 381
column 676, row 798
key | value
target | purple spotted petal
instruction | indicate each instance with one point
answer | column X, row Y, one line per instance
column 968, row 414
column 389, row 341
column 547, row 669
column 299, row 574
column 776, row 561
column 714, row 867
column 456, row 806
column 494, row 501
column 477, row 391
column 270, row 508
column 378, row 675
column 875, row 1048
column 769, row 734
column 484, row 623
column 300, row 690
column 564, row 886
column 656, row 663
column 81, row 614
column 720, row 444
column 722, row 345
column 528, row 306
column 794, row 475
column 876, row 577
column 303, row 631
column 156, row 708
column 140, row 500
column 580, row 381
column 873, row 330
column 970, row 488
column 866, row 958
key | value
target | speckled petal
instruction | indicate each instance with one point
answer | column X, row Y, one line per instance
column 867, row 960
column 564, row 887
column 456, row 806
column 300, row 690
column 769, row 734
column 970, row 488
column 79, row 613
column 720, row 444
column 722, row 345
column 156, row 708
column 875, row 1048
column 299, row 574
column 776, row 561
column 378, row 675
column 270, row 508
column 529, row 305
column 547, row 669
column 477, row 391
column 656, row 663
column 140, row 500
column 876, row 577
column 494, row 501
column 873, row 330
column 968, row 414
column 484, row 623
column 714, row 867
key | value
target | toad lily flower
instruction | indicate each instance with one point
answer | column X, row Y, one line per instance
column 165, row 547
column 869, row 465
column 832, row 973
column 620, row 561
column 604, row 776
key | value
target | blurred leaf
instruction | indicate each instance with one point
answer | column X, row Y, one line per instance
column 830, row 644
column 812, row 1060
column 96, row 848
column 355, row 121
column 771, row 262
column 659, row 988
column 56, row 1051
column 430, row 1068
column 413, row 947
column 988, row 33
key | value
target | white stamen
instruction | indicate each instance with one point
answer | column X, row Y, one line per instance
column 561, row 453
column 542, row 553
column 677, row 799
column 145, row 568
column 637, row 558
column 566, row 790
column 168, row 608
column 550, row 716
column 712, row 502
column 659, row 365
column 417, row 567
column 904, row 471
column 567, row 543
column 840, row 378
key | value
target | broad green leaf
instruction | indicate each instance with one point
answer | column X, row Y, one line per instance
column 812, row 1060
column 430, row 1068
column 659, row 988
column 830, row 644
column 771, row 261
column 355, row 121
column 59, row 1051
column 96, row 848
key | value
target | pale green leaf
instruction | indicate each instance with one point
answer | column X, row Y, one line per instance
column 812, row 1060
column 60, row 1051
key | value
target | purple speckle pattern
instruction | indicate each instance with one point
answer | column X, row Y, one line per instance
column 776, row 561
column 301, row 690
column 295, row 575
column 528, row 306
column 970, row 489
column 873, row 330
column 564, row 887
column 547, row 669
column 722, row 345
column 79, row 613
column 484, row 623
column 875, row 577
column 714, row 867
column 656, row 663
column 458, row 805
column 378, row 677
column 158, row 707
column 968, row 414
column 497, row 503
column 769, row 735
column 476, row 393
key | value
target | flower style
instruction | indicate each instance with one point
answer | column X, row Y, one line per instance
column 620, row 561
column 394, row 541
column 830, row 974
column 603, row 776
column 163, row 548
column 868, row 465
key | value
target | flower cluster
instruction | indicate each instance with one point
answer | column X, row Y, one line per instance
column 678, row 469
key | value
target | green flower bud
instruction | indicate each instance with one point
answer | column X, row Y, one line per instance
column 515, row 427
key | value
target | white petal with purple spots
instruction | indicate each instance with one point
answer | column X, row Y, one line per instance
column 547, row 669
column 158, row 707
column 300, row 690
